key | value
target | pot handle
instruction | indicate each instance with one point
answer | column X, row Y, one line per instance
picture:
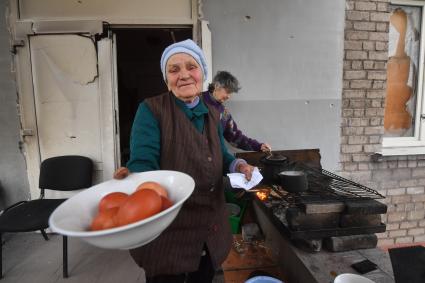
column 268, row 154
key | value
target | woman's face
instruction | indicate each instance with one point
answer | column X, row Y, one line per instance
column 184, row 76
column 221, row 94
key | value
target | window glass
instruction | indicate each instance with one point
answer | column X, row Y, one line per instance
column 402, row 71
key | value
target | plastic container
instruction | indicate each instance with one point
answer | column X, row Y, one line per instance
column 235, row 221
column 263, row 279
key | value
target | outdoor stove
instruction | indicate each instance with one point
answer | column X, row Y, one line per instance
column 335, row 211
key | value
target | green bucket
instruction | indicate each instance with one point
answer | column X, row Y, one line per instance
column 235, row 220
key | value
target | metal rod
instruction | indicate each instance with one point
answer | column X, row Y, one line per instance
column 65, row 256
column 1, row 256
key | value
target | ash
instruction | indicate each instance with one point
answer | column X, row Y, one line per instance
column 278, row 206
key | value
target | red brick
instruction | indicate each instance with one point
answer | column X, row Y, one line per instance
column 356, row 35
column 408, row 225
column 382, row 7
column 396, row 216
column 378, row 36
column 381, row 27
column 350, row 75
column 399, row 198
column 357, row 15
column 393, row 226
column 416, row 231
column 403, row 240
column 375, row 93
column 385, row 242
column 365, row 6
column 357, row 65
column 377, row 75
column 381, row 46
column 397, row 233
column 353, row 45
column 378, row 55
column 369, row 26
column 356, row 55
column 415, row 190
column 416, row 215
column 419, row 239
column 379, row 17
column 374, row 130
column 351, row 148
column 361, row 84
column 379, row 85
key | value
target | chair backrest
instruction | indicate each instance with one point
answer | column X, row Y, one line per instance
column 66, row 173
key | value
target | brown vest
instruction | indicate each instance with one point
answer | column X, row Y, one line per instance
column 203, row 218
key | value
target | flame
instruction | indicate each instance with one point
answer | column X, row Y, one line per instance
column 261, row 195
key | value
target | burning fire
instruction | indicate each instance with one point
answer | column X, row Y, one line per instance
column 262, row 195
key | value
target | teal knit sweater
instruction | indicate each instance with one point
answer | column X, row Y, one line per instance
column 145, row 141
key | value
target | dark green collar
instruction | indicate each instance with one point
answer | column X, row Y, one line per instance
column 197, row 111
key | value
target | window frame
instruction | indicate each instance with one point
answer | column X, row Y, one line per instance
column 415, row 144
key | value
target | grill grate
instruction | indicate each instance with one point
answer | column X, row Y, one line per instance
column 303, row 215
column 325, row 186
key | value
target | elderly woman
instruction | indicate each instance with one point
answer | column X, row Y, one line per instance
column 178, row 131
column 222, row 87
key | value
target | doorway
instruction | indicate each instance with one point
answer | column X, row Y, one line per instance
column 138, row 72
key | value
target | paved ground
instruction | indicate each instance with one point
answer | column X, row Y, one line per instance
column 324, row 266
column 27, row 257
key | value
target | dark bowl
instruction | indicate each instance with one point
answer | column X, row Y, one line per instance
column 293, row 181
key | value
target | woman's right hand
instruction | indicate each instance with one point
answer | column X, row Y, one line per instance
column 265, row 147
column 121, row 173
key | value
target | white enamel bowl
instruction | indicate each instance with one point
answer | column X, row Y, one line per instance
column 73, row 217
column 351, row 278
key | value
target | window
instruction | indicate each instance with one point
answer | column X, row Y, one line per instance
column 403, row 118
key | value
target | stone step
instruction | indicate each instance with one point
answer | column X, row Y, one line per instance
column 352, row 242
column 323, row 207
column 358, row 220
column 365, row 207
column 298, row 220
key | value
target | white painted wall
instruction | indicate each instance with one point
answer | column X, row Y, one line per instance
column 56, row 79
column 112, row 11
column 288, row 57
column 13, row 181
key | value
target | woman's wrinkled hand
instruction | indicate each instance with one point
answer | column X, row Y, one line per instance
column 246, row 169
column 121, row 173
column 265, row 147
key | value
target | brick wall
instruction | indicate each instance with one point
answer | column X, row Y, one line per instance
column 400, row 179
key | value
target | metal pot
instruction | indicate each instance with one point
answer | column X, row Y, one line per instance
column 272, row 166
column 293, row 181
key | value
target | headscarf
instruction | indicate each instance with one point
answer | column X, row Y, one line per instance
column 186, row 46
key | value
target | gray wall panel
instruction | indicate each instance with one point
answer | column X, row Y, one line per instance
column 292, row 124
column 284, row 53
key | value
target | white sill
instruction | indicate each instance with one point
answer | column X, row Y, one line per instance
column 402, row 150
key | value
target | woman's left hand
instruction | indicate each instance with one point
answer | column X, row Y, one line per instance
column 246, row 169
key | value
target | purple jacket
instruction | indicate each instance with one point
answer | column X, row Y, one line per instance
column 231, row 133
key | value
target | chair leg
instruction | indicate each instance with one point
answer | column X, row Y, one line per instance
column 1, row 256
column 44, row 234
column 65, row 257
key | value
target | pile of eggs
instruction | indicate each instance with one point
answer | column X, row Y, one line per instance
column 118, row 208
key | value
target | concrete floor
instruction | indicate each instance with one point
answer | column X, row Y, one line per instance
column 27, row 257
